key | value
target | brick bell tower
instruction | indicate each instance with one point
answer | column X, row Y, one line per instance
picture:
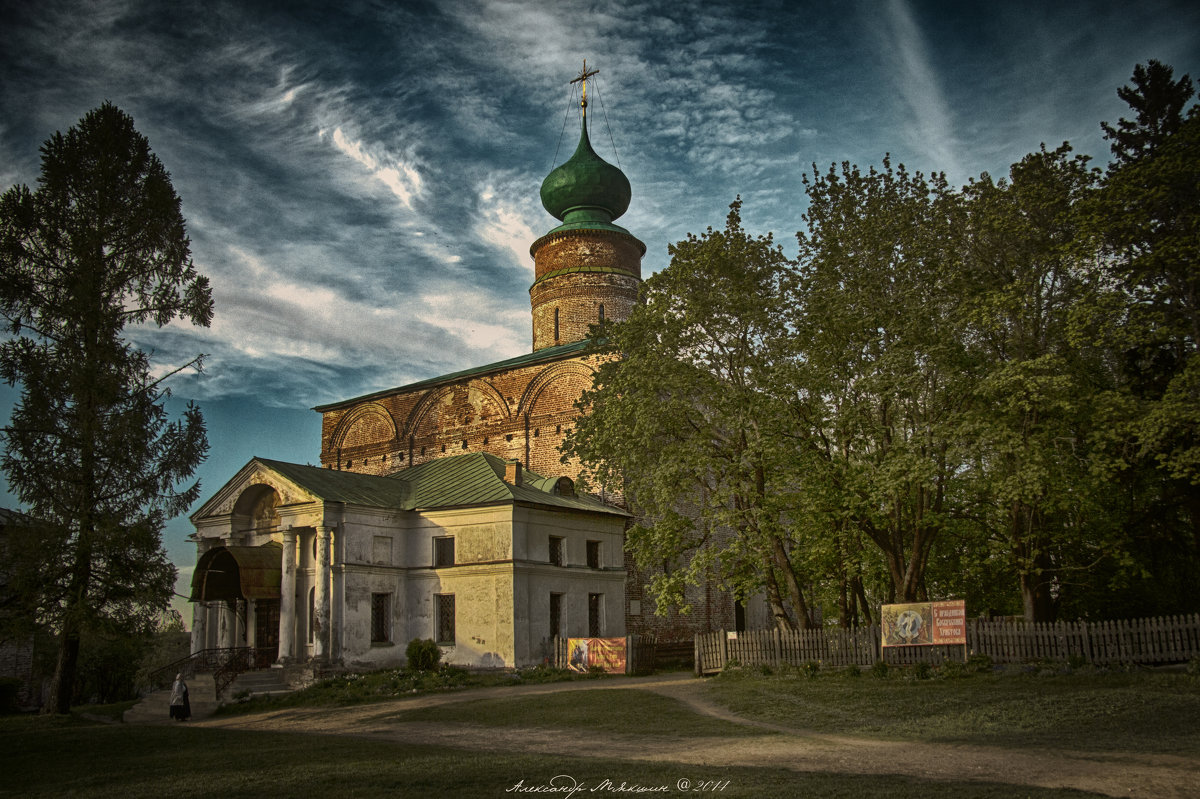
column 587, row 269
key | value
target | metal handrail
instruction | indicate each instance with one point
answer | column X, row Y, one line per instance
column 241, row 659
column 205, row 660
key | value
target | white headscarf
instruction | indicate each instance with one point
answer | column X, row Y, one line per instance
column 178, row 690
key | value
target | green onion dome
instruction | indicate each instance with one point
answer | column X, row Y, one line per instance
column 586, row 188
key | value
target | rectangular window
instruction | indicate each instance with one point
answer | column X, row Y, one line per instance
column 381, row 621
column 556, row 550
column 593, row 554
column 595, row 603
column 444, row 618
column 443, row 551
column 555, row 615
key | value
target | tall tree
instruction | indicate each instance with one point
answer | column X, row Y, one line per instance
column 685, row 417
column 99, row 246
column 1147, row 215
column 1157, row 102
column 1030, row 411
column 881, row 380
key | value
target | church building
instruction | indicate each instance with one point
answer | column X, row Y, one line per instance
column 442, row 508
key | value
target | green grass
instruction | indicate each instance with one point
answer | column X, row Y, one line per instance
column 1104, row 711
column 47, row 757
column 378, row 686
column 612, row 711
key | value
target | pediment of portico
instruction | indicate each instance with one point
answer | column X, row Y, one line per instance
column 256, row 477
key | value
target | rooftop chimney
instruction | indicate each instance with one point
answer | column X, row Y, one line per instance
column 512, row 472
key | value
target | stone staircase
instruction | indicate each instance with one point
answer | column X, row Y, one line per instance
column 155, row 707
column 259, row 682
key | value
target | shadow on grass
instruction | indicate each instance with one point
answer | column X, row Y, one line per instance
column 45, row 758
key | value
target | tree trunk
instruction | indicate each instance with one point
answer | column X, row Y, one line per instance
column 775, row 600
column 1035, row 591
column 784, row 564
column 63, row 685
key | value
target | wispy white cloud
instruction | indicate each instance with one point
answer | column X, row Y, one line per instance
column 506, row 221
column 930, row 124
column 395, row 173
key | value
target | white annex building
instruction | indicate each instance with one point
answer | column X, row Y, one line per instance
column 476, row 553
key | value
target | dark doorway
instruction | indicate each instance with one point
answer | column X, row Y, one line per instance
column 266, row 626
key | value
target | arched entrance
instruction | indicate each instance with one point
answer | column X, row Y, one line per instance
column 236, row 575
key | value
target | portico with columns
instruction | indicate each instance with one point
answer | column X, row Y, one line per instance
column 264, row 575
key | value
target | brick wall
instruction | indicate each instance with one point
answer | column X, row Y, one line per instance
column 565, row 306
column 519, row 414
column 578, row 272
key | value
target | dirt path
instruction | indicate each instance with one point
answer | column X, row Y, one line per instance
column 1110, row 773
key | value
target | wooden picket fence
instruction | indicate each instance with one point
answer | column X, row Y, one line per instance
column 1171, row 639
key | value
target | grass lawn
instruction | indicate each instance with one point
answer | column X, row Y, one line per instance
column 46, row 757
column 1105, row 711
column 613, row 711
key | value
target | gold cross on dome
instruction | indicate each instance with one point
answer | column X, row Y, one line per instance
column 583, row 76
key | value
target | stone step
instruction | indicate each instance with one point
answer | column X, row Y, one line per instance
column 264, row 681
column 155, row 708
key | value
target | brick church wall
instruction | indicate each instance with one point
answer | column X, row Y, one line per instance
column 518, row 414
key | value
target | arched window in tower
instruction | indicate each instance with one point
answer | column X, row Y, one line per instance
column 601, row 313
column 556, row 324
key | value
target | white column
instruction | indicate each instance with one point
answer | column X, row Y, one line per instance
column 337, row 600
column 287, row 598
column 199, row 627
column 321, row 596
column 251, row 629
column 227, row 626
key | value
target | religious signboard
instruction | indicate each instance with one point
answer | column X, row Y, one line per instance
column 604, row 653
column 925, row 623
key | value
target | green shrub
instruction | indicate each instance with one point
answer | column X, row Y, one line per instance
column 811, row 668
column 952, row 669
column 852, row 671
column 879, row 670
column 1193, row 667
column 979, row 664
column 1076, row 661
column 423, row 654
column 922, row 671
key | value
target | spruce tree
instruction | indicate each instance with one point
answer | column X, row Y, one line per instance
column 100, row 246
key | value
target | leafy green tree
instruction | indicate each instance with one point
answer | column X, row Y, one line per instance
column 686, row 420
column 1030, row 415
column 99, row 246
column 881, row 378
column 1147, row 216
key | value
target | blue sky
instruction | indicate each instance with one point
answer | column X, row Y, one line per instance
column 360, row 179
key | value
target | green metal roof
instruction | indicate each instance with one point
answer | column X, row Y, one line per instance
column 352, row 488
column 545, row 355
column 476, row 478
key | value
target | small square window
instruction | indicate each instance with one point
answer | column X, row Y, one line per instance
column 556, row 550
column 443, row 551
column 593, row 554
column 444, row 618
column 381, row 612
